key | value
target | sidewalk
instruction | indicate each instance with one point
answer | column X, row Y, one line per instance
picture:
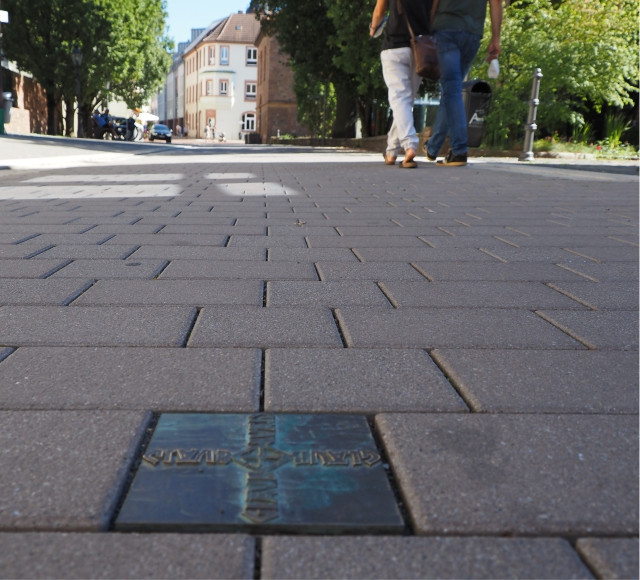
column 483, row 320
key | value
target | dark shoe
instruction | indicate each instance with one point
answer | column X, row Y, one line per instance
column 453, row 160
column 426, row 152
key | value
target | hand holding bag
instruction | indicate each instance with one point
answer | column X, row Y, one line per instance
column 425, row 51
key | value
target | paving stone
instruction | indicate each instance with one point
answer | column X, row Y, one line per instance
column 169, row 239
column 301, row 228
column 367, row 271
column 95, row 325
column 27, row 229
column 128, row 269
column 63, row 470
column 184, row 218
column 545, row 254
column 451, row 242
column 513, row 271
column 88, row 252
column 238, row 270
column 427, row 558
column 617, row 271
column 267, row 241
column 481, row 294
column 620, row 254
column 355, row 381
column 158, row 379
column 66, row 239
column 332, row 294
column 41, row 292
column 133, row 229
column 562, row 241
column 265, row 327
column 214, row 229
column 611, row 557
column 199, row 253
column 440, row 328
column 609, row 329
column 172, row 292
column 311, row 255
column 516, row 474
column 426, row 254
column 29, row 268
column 390, row 230
column 365, row 242
column 601, row 295
column 82, row 555
column 543, row 381
column 8, row 251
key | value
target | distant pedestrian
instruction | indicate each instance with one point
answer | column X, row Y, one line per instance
column 458, row 26
column 399, row 71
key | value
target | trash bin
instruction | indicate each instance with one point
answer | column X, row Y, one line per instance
column 7, row 99
column 419, row 116
column 476, row 95
column 252, row 139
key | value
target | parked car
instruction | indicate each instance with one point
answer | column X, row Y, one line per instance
column 159, row 131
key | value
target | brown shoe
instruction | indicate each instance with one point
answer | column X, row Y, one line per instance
column 408, row 162
column 453, row 160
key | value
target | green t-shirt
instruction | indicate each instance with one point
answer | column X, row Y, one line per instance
column 466, row 15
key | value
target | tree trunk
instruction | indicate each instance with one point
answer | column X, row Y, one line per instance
column 68, row 117
column 344, row 127
column 51, row 113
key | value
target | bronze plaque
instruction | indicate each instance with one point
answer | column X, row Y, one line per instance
column 261, row 472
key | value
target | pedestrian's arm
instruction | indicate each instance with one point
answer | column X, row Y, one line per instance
column 378, row 14
column 495, row 10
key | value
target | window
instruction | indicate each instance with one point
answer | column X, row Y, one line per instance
column 250, row 90
column 209, row 88
column 252, row 55
column 224, row 87
column 224, row 55
column 249, row 122
column 212, row 55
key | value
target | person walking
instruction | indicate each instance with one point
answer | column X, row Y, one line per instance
column 458, row 26
column 398, row 70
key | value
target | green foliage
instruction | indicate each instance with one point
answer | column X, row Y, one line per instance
column 316, row 105
column 615, row 126
column 357, row 55
column 329, row 44
column 122, row 42
column 587, row 50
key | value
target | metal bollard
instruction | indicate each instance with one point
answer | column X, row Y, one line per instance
column 527, row 152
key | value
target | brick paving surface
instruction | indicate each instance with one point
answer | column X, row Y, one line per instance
column 484, row 319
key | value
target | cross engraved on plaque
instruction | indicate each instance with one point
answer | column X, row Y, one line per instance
column 315, row 473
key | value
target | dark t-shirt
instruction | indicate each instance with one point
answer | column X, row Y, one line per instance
column 396, row 34
column 466, row 15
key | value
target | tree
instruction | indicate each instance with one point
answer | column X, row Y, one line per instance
column 330, row 51
column 121, row 41
column 587, row 50
column 358, row 56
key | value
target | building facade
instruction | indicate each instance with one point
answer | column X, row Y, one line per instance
column 218, row 71
column 277, row 109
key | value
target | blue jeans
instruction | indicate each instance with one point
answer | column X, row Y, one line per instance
column 456, row 51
